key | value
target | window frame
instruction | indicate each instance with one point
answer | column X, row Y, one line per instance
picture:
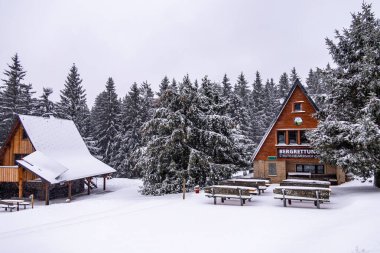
column 296, row 137
column 283, row 131
column 296, row 104
column 316, row 166
column 271, row 169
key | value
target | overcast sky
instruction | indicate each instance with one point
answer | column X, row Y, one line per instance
column 134, row 41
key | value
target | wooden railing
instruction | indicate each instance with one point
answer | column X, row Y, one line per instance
column 8, row 173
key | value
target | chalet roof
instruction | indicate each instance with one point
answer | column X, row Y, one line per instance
column 61, row 154
column 296, row 84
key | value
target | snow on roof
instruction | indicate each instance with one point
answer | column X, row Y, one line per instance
column 61, row 153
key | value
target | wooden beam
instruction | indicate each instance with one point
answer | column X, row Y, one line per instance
column 20, row 181
column 47, row 191
column 69, row 189
column 104, row 182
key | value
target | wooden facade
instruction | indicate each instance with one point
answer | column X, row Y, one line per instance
column 284, row 149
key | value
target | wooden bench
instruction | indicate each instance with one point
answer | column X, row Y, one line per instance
column 305, row 183
column 288, row 193
column 260, row 185
column 7, row 206
column 229, row 192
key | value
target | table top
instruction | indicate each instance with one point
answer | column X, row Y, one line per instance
column 12, row 200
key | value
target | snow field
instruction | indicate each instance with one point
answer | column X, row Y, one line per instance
column 121, row 220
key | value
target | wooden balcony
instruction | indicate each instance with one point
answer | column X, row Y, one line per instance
column 9, row 174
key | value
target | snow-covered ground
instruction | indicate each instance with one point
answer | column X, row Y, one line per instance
column 121, row 220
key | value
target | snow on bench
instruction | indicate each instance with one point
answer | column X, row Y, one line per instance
column 259, row 185
column 229, row 192
column 288, row 193
column 305, row 182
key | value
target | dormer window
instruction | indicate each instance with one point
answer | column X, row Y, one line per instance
column 297, row 107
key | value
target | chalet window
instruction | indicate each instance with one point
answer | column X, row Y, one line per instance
column 293, row 137
column 272, row 171
column 24, row 135
column 281, row 137
column 297, row 107
column 313, row 169
column 304, row 140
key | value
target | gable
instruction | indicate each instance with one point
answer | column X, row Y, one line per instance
column 285, row 121
column 16, row 144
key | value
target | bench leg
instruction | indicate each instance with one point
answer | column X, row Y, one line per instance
column 289, row 202
column 214, row 200
column 315, row 203
column 259, row 191
column 318, row 205
column 284, row 200
column 222, row 200
column 241, row 202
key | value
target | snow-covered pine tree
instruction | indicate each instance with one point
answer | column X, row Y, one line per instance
column 105, row 119
column 226, row 86
column 242, row 90
column 283, row 86
column 294, row 76
column 73, row 104
column 348, row 134
column 164, row 85
column 15, row 96
column 188, row 138
column 44, row 105
column 258, row 109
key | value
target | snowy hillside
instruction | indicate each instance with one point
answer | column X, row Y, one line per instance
column 122, row 220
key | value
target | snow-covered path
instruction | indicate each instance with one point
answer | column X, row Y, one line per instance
column 122, row 220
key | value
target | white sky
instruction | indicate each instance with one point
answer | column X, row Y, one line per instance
column 145, row 40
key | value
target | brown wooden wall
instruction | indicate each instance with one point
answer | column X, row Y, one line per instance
column 17, row 145
column 286, row 121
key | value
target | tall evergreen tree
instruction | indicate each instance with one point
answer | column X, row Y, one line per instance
column 187, row 139
column 294, row 76
column 241, row 89
column 164, row 85
column 283, row 86
column 105, row 119
column 15, row 96
column 45, row 105
column 348, row 134
column 73, row 104
column 226, row 86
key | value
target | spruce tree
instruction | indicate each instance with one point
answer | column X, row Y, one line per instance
column 15, row 96
column 73, row 104
column 164, row 85
column 188, row 138
column 348, row 134
column 294, row 76
column 45, row 105
column 241, row 89
column 105, row 119
column 283, row 86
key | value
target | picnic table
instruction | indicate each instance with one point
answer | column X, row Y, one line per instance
column 230, row 192
column 11, row 203
column 303, row 193
column 305, row 182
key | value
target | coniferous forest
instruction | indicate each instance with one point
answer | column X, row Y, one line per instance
column 200, row 131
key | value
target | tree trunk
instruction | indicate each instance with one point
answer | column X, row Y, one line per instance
column 377, row 178
column 184, row 187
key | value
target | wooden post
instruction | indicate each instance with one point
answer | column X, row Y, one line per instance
column 32, row 200
column 69, row 189
column 20, row 181
column 47, row 191
column 104, row 182
column 88, row 185
column 184, row 187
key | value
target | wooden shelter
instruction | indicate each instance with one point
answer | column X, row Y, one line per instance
column 284, row 150
column 47, row 156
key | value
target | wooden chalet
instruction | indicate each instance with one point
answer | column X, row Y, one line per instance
column 284, row 150
column 47, row 157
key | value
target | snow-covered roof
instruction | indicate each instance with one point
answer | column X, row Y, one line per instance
column 61, row 154
column 296, row 84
